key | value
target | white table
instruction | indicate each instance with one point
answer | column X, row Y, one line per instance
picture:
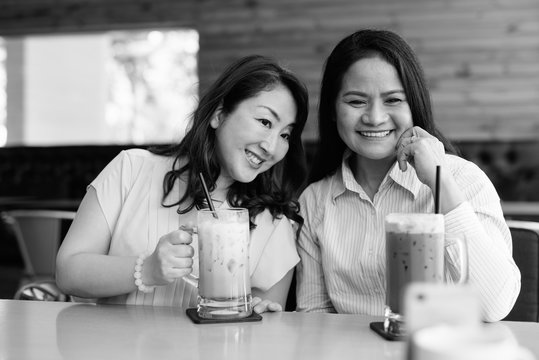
column 50, row 330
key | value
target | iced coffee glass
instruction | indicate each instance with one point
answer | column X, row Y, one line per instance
column 414, row 253
column 224, row 287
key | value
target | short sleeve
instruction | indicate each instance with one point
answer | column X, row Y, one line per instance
column 273, row 251
column 109, row 187
column 115, row 182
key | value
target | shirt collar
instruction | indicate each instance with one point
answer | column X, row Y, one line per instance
column 345, row 178
column 339, row 186
column 407, row 179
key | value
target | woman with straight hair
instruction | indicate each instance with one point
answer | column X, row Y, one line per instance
column 377, row 154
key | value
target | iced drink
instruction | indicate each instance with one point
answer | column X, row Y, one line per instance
column 414, row 253
column 224, row 286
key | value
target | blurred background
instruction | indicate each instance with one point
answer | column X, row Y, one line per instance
column 113, row 71
column 81, row 80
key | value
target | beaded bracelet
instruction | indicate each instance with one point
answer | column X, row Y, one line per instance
column 138, row 275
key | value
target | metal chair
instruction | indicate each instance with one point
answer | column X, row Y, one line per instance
column 41, row 290
column 525, row 236
column 39, row 234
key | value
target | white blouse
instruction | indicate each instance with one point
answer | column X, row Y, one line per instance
column 130, row 191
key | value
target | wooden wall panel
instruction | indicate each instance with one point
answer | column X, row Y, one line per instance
column 481, row 57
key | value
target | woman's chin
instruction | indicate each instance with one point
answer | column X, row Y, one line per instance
column 378, row 155
column 246, row 176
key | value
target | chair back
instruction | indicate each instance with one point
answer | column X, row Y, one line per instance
column 39, row 234
column 525, row 236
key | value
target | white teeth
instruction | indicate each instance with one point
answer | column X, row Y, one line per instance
column 253, row 158
column 376, row 134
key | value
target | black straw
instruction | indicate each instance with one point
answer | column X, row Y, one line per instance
column 437, row 191
column 207, row 193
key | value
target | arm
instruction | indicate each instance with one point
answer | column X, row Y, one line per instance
column 84, row 269
column 82, row 266
column 492, row 270
column 472, row 207
column 274, row 299
column 312, row 294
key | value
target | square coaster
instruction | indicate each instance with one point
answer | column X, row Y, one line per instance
column 193, row 315
column 378, row 328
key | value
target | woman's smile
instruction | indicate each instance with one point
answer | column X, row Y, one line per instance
column 375, row 134
column 254, row 159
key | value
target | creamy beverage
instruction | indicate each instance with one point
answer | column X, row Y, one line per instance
column 224, row 286
column 414, row 253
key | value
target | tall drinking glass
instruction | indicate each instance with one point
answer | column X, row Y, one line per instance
column 224, row 287
column 415, row 245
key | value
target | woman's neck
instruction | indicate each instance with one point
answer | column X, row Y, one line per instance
column 370, row 173
column 222, row 186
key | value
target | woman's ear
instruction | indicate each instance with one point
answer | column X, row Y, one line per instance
column 216, row 118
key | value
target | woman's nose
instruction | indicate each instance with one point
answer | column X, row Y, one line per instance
column 374, row 115
column 269, row 144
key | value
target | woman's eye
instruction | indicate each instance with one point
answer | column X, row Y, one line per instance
column 356, row 102
column 394, row 101
column 286, row 136
column 265, row 122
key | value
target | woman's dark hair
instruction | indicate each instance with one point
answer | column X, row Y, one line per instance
column 359, row 45
column 275, row 189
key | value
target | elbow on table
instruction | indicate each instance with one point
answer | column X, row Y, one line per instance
column 498, row 307
column 62, row 281
column 65, row 277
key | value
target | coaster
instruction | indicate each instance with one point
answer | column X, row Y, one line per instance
column 193, row 315
column 378, row 328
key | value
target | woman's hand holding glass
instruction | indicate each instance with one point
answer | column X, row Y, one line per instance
column 171, row 259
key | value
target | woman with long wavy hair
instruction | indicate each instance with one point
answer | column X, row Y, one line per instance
column 245, row 138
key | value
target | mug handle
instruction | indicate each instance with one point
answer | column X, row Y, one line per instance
column 191, row 280
column 460, row 240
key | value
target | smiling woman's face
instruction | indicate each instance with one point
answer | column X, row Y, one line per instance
column 254, row 136
column 371, row 108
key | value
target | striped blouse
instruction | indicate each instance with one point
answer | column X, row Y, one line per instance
column 342, row 246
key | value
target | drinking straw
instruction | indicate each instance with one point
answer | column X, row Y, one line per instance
column 207, row 193
column 437, row 191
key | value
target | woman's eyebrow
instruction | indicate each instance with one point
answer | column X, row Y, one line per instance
column 391, row 92
column 276, row 115
column 355, row 92
column 363, row 94
column 271, row 111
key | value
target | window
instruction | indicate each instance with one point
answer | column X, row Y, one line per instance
column 3, row 130
column 117, row 87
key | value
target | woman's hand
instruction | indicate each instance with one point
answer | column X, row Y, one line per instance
column 260, row 306
column 172, row 259
column 423, row 151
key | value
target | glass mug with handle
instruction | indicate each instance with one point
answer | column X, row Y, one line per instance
column 224, row 285
column 415, row 247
